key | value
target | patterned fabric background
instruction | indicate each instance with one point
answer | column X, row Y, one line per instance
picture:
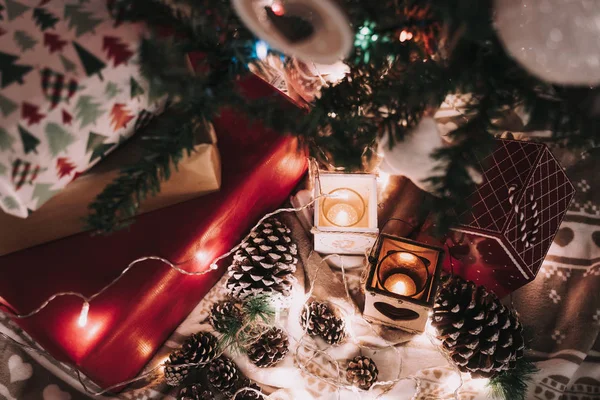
column 70, row 92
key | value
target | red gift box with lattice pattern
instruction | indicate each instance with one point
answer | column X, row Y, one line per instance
column 515, row 212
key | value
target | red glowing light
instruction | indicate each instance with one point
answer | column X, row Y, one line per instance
column 278, row 9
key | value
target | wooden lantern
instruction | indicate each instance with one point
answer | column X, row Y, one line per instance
column 345, row 220
column 402, row 283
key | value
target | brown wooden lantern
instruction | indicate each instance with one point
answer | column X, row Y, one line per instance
column 402, row 282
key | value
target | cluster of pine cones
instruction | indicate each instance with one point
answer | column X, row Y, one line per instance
column 267, row 350
column 198, row 356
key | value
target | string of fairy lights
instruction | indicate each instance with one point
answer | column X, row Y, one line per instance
column 303, row 364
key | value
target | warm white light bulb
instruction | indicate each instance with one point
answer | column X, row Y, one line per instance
column 83, row 317
column 262, row 49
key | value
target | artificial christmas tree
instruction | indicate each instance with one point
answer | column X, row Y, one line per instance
column 265, row 264
column 481, row 335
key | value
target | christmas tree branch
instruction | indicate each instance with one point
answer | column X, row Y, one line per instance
column 392, row 84
column 512, row 384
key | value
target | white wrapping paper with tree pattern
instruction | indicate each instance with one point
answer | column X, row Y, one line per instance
column 70, row 92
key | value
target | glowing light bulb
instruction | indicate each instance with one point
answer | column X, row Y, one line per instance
column 83, row 316
column 277, row 8
column 262, row 49
column 405, row 35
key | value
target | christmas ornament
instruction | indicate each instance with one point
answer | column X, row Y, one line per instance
column 555, row 40
column 361, row 372
column 247, row 394
column 222, row 373
column 312, row 30
column 480, row 334
column 319, row 320
column 224, row 315
column 201, row 347
column 265, row 263
column 307, row 79
column 269, row 349
column 195, row 392
column 174, row 375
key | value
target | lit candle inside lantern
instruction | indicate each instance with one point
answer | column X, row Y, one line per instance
column 344, row 207
column 401, row 284
column 343, row 215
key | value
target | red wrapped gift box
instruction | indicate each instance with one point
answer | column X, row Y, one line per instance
column 131, row 320
column 514, row 215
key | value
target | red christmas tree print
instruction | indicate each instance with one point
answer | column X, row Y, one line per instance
column 116, row 50
column 66, row 118
column 2, row 31
column 64, row 167
column 120, row 116
column 54, row 42
column 30, row 113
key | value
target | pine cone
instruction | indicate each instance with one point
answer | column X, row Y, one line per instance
column 195, row 392
column 269, row 349
column 362, row 372
column 223, row 373
column 226, row 316
column 249, row 394
column 201, row 347
column 319, row 320
column 265, row 263
column 174, row 376
column 481, row 335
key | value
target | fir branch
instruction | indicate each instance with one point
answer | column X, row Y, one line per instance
column 259, row 308
column 512, row 384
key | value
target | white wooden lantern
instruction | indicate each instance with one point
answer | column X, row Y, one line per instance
column 402, row 283
column 345, row 220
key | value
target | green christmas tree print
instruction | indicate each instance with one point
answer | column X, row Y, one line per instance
column 87, row 111
column 9, row 71
column 80, row 19
column 111, row 90
column 94, row 140
column 24, row 41
column 6, row 140
column 96, row 145
column 14, row 9
column 91, row 63
column 58, row 138
column 3, row 170
column 44, row 19
column 136, row 89
column 7, row 106
column 43, row 193
column 10, row 203
column 68, row 65
column 30, row 142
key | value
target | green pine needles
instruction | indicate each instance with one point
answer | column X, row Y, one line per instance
column 240, row 330
column 512, row 384
column 391, row 85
